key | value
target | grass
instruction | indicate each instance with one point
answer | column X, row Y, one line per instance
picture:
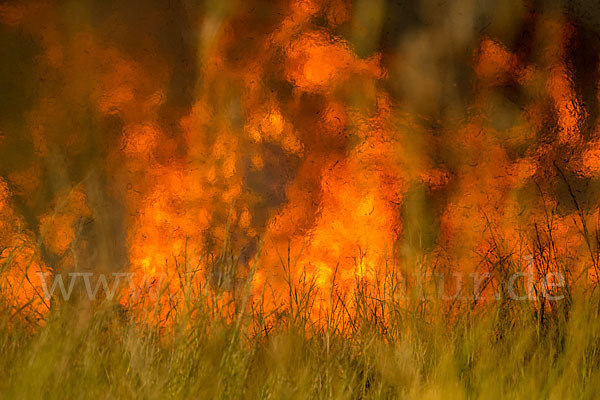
column 416, row 348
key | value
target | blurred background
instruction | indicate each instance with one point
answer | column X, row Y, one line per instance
column 340, row 132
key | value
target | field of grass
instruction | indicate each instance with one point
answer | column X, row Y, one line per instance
column 417, row 348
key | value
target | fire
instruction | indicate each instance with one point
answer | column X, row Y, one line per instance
column 316, row 62
column 286, row 153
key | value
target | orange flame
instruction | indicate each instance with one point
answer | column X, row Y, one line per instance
column 292, row 139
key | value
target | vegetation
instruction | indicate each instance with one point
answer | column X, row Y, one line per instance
column 419, row 347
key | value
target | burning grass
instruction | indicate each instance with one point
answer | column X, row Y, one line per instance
column 371, row 345
column 299, row 198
